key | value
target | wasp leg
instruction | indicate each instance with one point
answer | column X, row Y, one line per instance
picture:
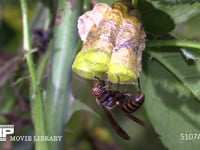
column 140, row 122
column 138, row 80
column 115, row 125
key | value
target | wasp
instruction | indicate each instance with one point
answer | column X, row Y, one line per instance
column 128, row 103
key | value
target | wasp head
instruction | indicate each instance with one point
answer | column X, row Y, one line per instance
column 99, row 88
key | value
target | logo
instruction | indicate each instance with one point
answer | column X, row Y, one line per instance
column 6, row 130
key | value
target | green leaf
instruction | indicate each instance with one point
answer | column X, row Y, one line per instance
column 106, row 1
column 191, row 53
column 64, row 43
column 180, row 12
column 172, row 109
column 42, row 66
column 188, row 73
column 77, row 105
column 155, row 21
column 189, row 29
column 173, row 2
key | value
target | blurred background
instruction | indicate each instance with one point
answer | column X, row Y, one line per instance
column 87, row 129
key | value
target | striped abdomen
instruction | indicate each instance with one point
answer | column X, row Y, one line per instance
column 132, row 102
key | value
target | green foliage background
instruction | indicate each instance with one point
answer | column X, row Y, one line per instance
column 170, row 79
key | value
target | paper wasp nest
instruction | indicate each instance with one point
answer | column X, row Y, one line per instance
column 113, row 41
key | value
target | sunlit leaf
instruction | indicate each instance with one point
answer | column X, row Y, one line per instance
column 188, row 73
column 193, row 54
column 172, row 109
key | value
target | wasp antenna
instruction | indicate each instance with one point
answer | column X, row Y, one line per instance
column 97, row 78
column 101, row 82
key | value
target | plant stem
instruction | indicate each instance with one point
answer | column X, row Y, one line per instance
column 64, row 42
column 36, row 99
column 175, row 43
column 27, row 44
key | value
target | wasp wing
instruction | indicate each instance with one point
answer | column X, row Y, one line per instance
column 140, row 122
column 115, row 125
